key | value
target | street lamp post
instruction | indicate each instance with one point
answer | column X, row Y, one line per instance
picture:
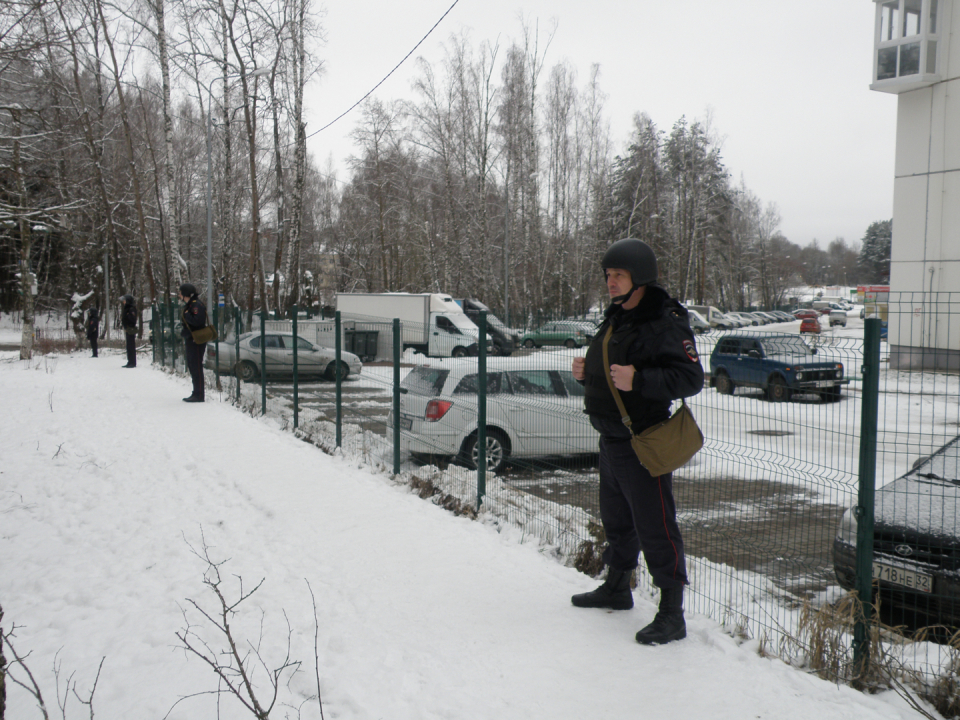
column 256, row 73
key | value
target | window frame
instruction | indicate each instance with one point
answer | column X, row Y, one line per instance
column 926, row 40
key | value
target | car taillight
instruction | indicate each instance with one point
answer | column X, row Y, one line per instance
column 436, row 409
column 839, row 371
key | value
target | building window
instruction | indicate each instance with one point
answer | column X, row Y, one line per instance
column 905, row 49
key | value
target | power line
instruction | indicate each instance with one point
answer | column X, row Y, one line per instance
column 371, row 91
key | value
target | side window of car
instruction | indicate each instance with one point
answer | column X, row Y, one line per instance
column 729, row 346
column 531, row 382
column 273, row 342
column 469, row 385
column 304, row 344
column 573, row 388
column 425, row 381
column 255, row 342
column 750, row 346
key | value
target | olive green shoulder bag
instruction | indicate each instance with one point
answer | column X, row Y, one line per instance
column 666, row 446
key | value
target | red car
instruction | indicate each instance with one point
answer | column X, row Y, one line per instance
column 809, row 325
column 805, row 313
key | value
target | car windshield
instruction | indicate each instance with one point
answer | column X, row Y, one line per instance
column 786, row 345
column 425, row 380
column 464, row 323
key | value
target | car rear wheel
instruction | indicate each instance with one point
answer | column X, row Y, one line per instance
column 459, row 352
column 247, row 371
column 570, row 343
column 777, row 390
column 497, row 451
column 528, row 343
column 331, row 372
column 724, row 384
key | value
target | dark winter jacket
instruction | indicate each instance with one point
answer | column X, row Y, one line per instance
column 194, row 317
column 93, row 325
column 655, row 337
column 129, row 318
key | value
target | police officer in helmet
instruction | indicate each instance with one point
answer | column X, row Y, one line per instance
column 653, row 361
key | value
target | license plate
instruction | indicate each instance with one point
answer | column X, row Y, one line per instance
column 405, row 423
column 824, row 383
column 902, row 577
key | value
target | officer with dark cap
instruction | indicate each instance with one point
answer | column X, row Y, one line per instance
column 129, row 318
column 194, row 317
column 653, row 361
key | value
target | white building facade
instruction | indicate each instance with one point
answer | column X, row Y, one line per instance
column 917, row 57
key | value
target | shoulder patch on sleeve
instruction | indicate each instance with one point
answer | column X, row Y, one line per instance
column 691, row 350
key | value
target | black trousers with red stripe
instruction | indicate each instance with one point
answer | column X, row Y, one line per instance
column 639, row 514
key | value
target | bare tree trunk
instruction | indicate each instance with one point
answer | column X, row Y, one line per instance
column 128, row 136
column 171, row 230
column 27, row 278
column 300, row 154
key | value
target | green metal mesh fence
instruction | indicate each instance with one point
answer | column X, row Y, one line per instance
column 764, row 507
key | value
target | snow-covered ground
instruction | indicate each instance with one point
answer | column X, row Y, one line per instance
column 111, row 488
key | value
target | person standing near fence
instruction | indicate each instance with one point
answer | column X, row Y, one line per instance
column 93, row 329
column 653, row 361
column 194, row 317
column 129, row 319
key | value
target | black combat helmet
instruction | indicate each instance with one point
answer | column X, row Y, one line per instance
column 127, row 299
column 634, row 256
column 188, row 290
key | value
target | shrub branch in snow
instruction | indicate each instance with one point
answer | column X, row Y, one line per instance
column 233, row 666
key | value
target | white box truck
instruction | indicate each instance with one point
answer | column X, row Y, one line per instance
column 430, row 323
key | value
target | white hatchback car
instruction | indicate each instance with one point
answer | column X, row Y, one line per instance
column 534, row 409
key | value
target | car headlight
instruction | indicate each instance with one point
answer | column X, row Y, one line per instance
column 847, row 532
column 799, row 375
column 839, row 372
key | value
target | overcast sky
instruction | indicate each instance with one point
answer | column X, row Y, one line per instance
column 785, row 84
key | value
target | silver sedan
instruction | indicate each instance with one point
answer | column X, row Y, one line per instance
column 277, row 350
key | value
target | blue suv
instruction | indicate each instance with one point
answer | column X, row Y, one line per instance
column 779, row 364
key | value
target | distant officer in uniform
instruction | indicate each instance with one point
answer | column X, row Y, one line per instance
column 653, row 361
column 93, row 329
column 194, row 317
column 129, row 319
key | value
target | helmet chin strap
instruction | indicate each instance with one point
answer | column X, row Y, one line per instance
column 620, row 299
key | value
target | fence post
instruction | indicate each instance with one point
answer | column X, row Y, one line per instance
column 173, row 340
column 481, row 408
column 236, row 348
column 263, row 362
column 153, row 330
column 216, row 346
column 396, row 396
column 866, row 492
column 338, row 349
column 163, row 338
column 296, row 384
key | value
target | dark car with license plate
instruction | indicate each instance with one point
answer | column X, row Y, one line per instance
column 916, row 541
column 777, row 363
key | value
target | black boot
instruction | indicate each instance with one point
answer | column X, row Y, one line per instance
column 668, row 624
column 614, row 593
